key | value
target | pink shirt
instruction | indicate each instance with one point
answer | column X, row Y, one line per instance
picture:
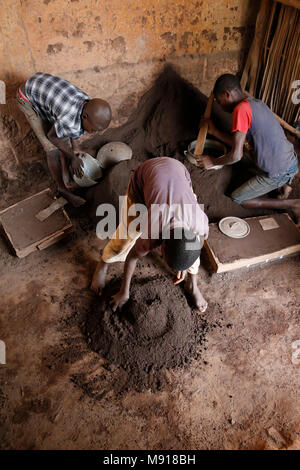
column 165, row 182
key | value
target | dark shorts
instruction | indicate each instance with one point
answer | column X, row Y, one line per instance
column 38, row 125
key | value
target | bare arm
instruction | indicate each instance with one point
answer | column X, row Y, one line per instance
column 60, row 144
column 213, row 130
column 75, row 145
column 122, row 296
column 231, row 157
column 75, row 162
column 236, row 152
column 227, row 138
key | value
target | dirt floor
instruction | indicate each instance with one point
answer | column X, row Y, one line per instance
column 232, row 382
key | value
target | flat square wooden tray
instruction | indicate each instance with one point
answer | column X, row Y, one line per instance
column 263, row 243
column 25, row 232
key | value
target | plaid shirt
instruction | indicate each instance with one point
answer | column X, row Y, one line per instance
column 58, row 102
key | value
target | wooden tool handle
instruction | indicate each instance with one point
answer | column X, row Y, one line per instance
column 203, row 128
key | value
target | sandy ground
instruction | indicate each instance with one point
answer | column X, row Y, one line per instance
column 58, row 394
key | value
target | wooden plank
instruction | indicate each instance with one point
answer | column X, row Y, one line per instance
column 54, row 239
column 45, row 213
column 203, row 128
column 2, row 92
column 25, row 252
column 252, row 67
column 290, row 3
column 243, row 263
column 271, row 68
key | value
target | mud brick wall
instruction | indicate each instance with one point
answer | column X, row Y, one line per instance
column 113, row 49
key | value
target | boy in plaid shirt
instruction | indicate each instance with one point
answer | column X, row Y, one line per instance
column 57, row 110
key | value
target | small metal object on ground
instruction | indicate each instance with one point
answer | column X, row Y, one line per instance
column 211, row 147
column 91, row 171
column 260, row 246
column 113, row 153
column 23, row 229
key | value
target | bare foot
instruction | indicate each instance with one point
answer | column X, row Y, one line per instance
column 98, row 281
column 191, row 287
column 295, row 207
column 76, row 201
column 284, row 191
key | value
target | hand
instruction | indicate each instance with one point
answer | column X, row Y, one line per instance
column 206, row 162
column 118, row 300
column 211, row 127
column 76, row 167
column 180, row 275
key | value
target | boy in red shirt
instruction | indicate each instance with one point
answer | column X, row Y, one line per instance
column 255, row 126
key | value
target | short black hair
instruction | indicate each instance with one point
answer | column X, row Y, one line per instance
column 227, row 81
column 182, row 248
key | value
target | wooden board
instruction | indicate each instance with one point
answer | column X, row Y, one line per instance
column 25, row 232
column 291, row 3
column 273, row 60
column 45, row 213
column 203, row 128
column 2, row 92
column 260, row 246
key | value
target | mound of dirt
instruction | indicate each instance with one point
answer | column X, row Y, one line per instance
column 151, row 333
column 165, row 120
column 164, row 123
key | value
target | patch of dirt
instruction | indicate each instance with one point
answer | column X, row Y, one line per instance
column 30, row 179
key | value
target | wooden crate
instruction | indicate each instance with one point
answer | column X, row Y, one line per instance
column 25, row 232
column 260, row 246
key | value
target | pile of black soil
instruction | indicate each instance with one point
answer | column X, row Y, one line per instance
column 164, row 123
column 155, row 330
column 165, row 120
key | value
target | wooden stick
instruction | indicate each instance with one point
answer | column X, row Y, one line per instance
column 290, row 3
column 253, row 64
column 203, row 128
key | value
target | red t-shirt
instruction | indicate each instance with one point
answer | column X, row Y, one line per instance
column 242, row 117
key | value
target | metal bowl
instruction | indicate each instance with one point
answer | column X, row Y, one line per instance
column 112, row 153
column 211, row 147
column 91, row 171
